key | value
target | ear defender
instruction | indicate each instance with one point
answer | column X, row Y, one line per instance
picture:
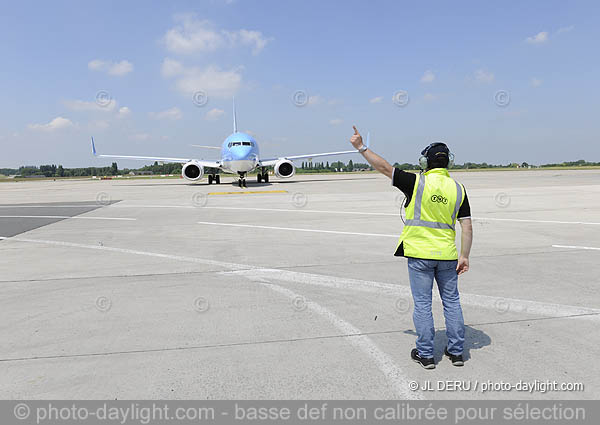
column 424, row 162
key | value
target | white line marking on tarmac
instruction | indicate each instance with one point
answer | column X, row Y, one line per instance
column 254, row 226
column 497, row 303
column 132, row 251
column 576, row 247
column 518, row 220
column 391, row 371
column 500, row 304
column 302, row 210
column 77, row 217
column 51, row 206
column 386, row 365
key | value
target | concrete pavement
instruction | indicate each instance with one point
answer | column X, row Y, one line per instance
column 163, row 289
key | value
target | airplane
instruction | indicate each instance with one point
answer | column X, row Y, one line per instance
column 239, row 155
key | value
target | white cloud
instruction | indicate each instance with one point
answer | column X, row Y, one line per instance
column 539, row 38
column 168, row 114
column 211, row 80
column 336, row 121
column 428, row 77
column 140, row 136
column 57, row 123
column 192, row 35
column 82, row 105
column 252, row 39
column 214, row 114
column 111, row 68
column 172, row 68
column 428, row 97
column 377, row 99
column 123, row 112
column 484, row 76
column 565, row 29
column 536, row 82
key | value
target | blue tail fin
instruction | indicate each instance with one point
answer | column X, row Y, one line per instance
column 234, row 118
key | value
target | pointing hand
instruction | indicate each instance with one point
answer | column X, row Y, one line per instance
column 356, row 139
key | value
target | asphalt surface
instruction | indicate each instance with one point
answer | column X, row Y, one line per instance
column 289, row 290
column 20, row 218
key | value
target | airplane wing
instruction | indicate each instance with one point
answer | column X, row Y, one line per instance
column 206, row 147
column 213, row 164
column 273, row 161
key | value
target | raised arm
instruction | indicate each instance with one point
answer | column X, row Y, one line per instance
column 372, row 158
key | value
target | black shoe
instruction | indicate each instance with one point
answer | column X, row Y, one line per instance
column 456, row 360
column 426, row 362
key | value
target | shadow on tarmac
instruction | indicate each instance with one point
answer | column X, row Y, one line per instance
column 474, row 340
column 249, row 182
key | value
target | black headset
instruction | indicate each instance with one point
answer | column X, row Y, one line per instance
column 424, row 161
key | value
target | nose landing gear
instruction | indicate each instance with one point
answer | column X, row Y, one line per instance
column 242, row 180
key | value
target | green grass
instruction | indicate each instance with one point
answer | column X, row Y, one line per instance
column 4, row 178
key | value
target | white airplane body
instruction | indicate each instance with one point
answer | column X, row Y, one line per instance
column 239, row 155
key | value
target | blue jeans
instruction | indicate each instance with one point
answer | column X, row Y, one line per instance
column 421, row 273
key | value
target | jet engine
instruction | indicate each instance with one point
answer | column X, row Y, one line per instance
column 284, row 168
column 192, row 171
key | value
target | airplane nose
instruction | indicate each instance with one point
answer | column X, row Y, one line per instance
column 241, row 152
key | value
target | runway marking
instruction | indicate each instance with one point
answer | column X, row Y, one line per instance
column 537, row 221
column 302, row 210
column 254, row 226
column 576, row 247
column 131, row 251
column 51, row 206
column 77, row 217
column 247, row 192
column 499, row 304
column 386, row 365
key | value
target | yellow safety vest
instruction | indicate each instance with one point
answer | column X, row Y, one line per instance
column 429, row 231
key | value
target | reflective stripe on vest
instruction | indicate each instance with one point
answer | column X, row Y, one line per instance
column 433, row 224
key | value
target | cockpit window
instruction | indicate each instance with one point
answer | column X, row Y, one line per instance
column 246, row 143
column 237, row 143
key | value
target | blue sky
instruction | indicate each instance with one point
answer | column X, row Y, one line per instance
column 349, row 57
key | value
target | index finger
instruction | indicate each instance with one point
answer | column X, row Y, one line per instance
column 355, row 130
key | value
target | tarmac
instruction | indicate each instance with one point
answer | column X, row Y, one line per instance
column 162, row 289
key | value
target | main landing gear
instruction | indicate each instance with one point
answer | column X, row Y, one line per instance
column 242, row 180
column 263, row 177
column 214, row 178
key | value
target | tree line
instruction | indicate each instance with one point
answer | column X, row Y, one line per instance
column 52, row 170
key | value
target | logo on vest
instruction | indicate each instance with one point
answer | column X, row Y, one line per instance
column 439, row 198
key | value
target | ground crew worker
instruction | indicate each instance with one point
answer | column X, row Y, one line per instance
column 434, row 203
